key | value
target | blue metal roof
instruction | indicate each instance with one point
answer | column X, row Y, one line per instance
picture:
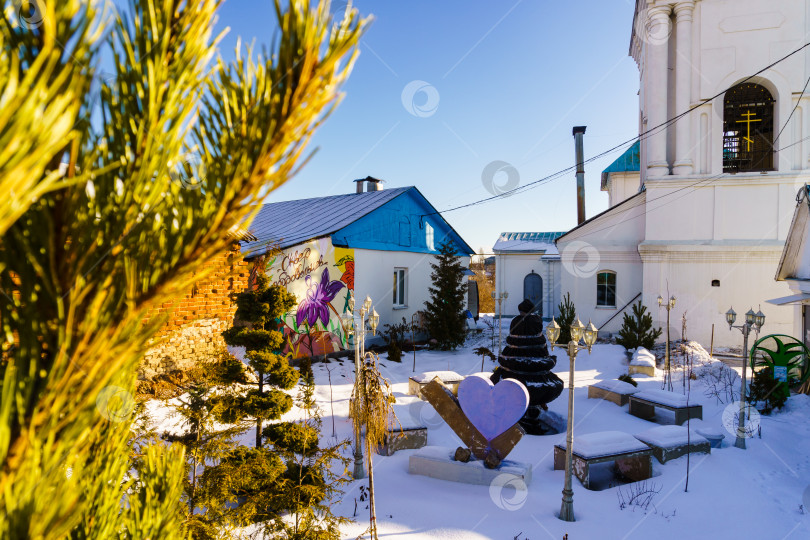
column 527, row 241
column 285, row 224
column 629, row 161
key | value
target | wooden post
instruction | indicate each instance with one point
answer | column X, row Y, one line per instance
column 711, row 347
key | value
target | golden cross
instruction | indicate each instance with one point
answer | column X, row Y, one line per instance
column 748, row 140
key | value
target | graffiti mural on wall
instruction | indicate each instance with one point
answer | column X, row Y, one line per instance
column 320, row 276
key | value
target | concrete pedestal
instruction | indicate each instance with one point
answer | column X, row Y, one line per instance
column 438, row 462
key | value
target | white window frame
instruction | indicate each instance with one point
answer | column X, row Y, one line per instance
column 429, row 242
column 400, row 292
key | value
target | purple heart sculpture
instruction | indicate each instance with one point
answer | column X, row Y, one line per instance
column 492, row 409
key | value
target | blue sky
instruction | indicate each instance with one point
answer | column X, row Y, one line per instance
column 511, row 77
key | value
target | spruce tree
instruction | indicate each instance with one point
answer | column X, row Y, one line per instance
column 444, row 316
column 568, row 314
column 637, row 330
column 258, row 311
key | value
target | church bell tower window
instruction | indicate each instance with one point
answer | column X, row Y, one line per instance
column 748, row 129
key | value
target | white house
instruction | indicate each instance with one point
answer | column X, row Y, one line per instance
column 722, row 153
column 794, row 267
column 377, row 243
column 527, row 266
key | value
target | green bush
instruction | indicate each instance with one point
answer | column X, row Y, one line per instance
column 637, row 329
column 568, row 314
column 395, row 335
column 765, row 389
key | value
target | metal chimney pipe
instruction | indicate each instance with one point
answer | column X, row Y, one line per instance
column 579, row 131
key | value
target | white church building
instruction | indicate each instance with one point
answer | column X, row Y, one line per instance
column 702, row 209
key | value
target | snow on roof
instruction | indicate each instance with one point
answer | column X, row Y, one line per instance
column 287, row 223
column 528, row 242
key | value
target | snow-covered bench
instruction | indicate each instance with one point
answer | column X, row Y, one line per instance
column 404, row 433
column 633, row 458
column 643, row 404
column 418, row 381
column 618, row 392
column 670, row 442
column 713, row 435
column 643, row 362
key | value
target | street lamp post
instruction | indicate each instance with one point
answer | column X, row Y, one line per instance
column 500, row 298
column 413, row 339
column 668, row 372
column 588, row 335
column 755, row 321
column 366, row 315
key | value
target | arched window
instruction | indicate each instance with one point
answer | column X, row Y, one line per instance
column 748, row 129
column 606, row 289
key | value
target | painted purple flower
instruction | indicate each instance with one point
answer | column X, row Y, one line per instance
column 316, row 305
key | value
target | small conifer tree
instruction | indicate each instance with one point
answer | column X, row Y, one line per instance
column 257, row 313
column 637, row 329
column 568, row 314
column 310, row 483
column 444, row 314
column 202, row 406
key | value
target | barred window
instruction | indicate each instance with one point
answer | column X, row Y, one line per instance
column 748, row 129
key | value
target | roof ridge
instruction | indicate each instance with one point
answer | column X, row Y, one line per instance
column 402, row 188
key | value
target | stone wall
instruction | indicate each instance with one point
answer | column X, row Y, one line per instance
column 196, row 321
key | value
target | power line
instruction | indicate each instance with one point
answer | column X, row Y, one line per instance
column 640, row 137
column 798, row 101
column 704, row 180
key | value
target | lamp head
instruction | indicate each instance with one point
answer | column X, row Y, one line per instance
column 576, row 331
column 367, row 303
column 749, row 317
column 373, row 320
column 552, row 332
column 494, row 296
column 759, row 319
column 671, row 302
column 505, row 295
column 347, row 321
column 731, row 316
column 590, row 335
column 660, row 300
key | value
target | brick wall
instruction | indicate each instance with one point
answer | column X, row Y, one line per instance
column 197, row 320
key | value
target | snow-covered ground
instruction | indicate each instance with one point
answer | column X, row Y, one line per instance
column 733, row 493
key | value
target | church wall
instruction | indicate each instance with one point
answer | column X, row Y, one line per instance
column 745, row 275
column 582, row 286
column 699, row 224
column 609, row 242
